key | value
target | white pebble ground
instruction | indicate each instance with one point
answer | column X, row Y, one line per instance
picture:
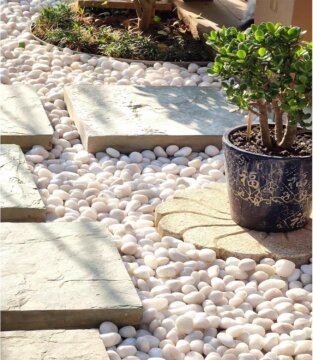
column 195, row 306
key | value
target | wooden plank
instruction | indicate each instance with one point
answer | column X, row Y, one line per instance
column 202, row 17
column 161, row 5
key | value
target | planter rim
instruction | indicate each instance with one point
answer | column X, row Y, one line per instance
column 227, row 142
column 145, row 62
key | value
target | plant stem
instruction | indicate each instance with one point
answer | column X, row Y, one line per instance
column 249, row 125
column 147, row 14
column 279, row 128
column 289, row 136
column 265, row 132
column 138, row 8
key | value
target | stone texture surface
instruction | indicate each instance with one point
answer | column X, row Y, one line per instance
column 201, row 217
column 19, row 197
column 52, row 345
column 135, row 118
column 23, row 120
column 60, row 276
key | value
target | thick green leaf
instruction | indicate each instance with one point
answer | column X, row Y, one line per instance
column 157, row 19
column 303, row 79
column 241, row 37
column 259, row 35
column 262, row 51
column 213, row 35
column 270, row 27
column 293, row 32
column 285, row 107
column 300, row 89
column 254, row 27
column 241, row 54
column 292, row 102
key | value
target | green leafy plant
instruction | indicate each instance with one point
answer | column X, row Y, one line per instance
column 61, row 15
column 66, row 25
column 127, row 44
column 268, row 66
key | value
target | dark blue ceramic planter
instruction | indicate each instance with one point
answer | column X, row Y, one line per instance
column 267, row 193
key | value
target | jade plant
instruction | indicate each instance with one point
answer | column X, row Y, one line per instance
column 267, row 68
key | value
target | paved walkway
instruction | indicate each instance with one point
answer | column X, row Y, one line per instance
column 19, row 196
column 23, row 120
column 52, row 345
column 133, row 118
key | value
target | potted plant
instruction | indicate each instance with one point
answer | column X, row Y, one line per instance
column 267, row 70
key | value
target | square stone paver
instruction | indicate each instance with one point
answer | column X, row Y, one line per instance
column 135, row 118
column 52, row 345
column 63, row 275
column 23, row 120
column 19, row 198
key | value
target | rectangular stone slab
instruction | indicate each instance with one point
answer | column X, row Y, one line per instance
column 63, row 276
column 135, row 118
column 52, row 345
column 23, row 120
column 19, row 197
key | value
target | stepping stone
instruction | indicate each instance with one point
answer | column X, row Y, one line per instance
column 23, row 120
column 52, row 345
column 19, row 198
column 202, row 217
column 136, row 118
column 63, row 276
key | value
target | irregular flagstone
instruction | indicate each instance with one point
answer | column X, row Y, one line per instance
column 23, row 120
column 217, row 192
column 228, row 241
column 190, row 216
column 67, row 275
column 177, row 224
column 52, row 345
column 244, row 244
column 177, row 205
column 202, row 236
column 293, row 245
column 134, row 117
column 19, row 198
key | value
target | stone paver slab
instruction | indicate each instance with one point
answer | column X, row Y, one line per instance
column 135, row 118
column 19, row 197
column 63, row 275
column 23, row 120
column 190, row 216
column 52, row 345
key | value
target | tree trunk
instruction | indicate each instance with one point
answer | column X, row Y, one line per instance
column 279, row 128
column 265, row 133
column 249, row 125
column 145, row 11
column 289, row 137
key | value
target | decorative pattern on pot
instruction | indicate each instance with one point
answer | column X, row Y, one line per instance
column 268, row 193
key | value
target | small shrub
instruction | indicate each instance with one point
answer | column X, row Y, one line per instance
column 267, row 66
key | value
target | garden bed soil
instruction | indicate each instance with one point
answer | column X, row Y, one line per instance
column 301, row 147
column 113, row 33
